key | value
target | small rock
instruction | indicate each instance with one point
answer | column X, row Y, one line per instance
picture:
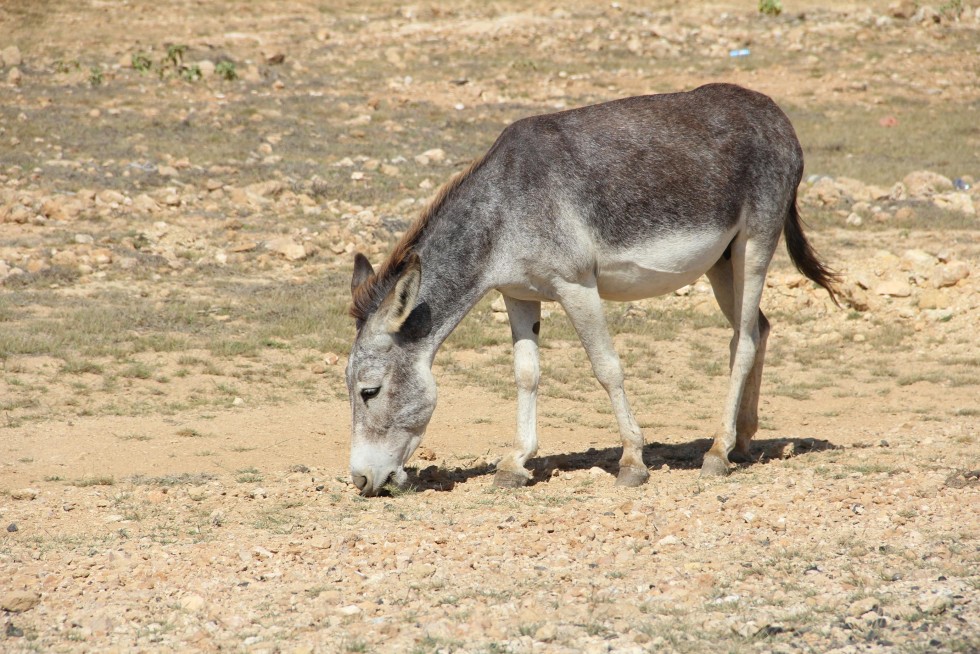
column 270, row 189
column 19, row 601
column 274, row 57
column 926, row 14
column 237, row 402
column 262, row 552
column 11, row 56
column 855, row 189
column 198, row 493
column 938, row 315
column 863, row 606
column 958, row 202
column 546, row 633
column 61, row 208
column 916, row 259
column 824, row 192
column 349, row 610
column 24, row 494
column 931, row 298
column 898, row 192
column 925, row 184
column 950, row 274
column 903, row 9
column 435, row 154
column 935, row 604
column 259, row 493
column 330, row 359
column 12, row 527
column 287, row 247
column 894, row 288
column 145, row 204
column 192, row 603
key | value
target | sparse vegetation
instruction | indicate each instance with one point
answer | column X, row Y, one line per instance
column 226, row 70
column 141, row 62
column 770, row 7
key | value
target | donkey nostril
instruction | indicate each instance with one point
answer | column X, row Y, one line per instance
column 360, row 481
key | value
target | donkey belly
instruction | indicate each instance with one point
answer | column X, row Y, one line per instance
column 659, row 266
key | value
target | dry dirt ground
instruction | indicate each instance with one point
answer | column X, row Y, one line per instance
column 182, row 185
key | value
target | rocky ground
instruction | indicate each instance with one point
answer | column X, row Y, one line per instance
column 181, row 190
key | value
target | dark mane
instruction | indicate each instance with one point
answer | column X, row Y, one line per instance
column 369, row 294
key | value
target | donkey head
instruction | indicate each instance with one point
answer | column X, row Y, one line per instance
column 392, row 390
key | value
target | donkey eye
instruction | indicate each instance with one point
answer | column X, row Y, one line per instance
column 368, row 393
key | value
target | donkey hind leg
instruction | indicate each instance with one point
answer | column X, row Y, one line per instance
column 584, row 309
column 747, row 273
column 747, row 422
column 525, row 323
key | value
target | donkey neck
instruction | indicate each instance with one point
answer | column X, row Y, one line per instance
column 457, row 251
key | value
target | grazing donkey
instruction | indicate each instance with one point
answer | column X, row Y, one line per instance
column 623, row 200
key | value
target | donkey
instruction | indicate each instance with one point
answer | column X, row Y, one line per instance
column 623, row 200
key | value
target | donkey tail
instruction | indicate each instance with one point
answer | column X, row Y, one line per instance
column 803, row 255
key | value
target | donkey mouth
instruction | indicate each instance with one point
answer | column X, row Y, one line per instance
column 369, row 487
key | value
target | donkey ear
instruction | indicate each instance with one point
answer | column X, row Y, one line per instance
column 362, row 270
column 396, row 308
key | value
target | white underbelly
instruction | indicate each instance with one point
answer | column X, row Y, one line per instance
column 659, row 266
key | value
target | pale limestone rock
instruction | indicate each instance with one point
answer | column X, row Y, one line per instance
column 894, row 288
column 287, row 247
column 19, row 601
column 956, row 201
column 931, row 298
column 950, row 274
column 11, row 56
column 925, row 183
column 192, row 603
column 24, row 494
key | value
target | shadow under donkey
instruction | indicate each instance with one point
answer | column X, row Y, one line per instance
column 684, row 456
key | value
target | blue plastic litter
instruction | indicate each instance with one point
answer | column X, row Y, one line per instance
column 741, row 52
column 961, row 184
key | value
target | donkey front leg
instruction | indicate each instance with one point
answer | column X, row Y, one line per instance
column 584, row 309
column 525, row 324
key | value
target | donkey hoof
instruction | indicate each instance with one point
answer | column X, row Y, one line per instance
column 632, row 476
column 510, row 479
column 741, row 456
column 714, row 466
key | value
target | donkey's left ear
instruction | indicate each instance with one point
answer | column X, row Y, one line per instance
column 362, row 270
column 401, row 300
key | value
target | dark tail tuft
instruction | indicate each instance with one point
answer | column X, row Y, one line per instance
column 804, row 257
